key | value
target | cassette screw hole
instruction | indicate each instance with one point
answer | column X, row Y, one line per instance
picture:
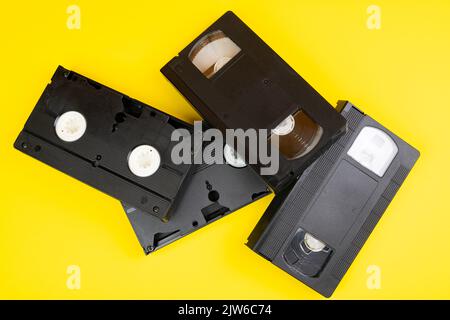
column 213, row 196
column 24, row 145
column 155, row 209
column 150, row 248
column 96, row 163
column 194, row 223
column 120, row 117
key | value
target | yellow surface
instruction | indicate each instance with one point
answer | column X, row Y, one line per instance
column 398, row 74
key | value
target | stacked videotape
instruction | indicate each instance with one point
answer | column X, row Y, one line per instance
column 315, row 229
column 337, row 169
column 123, row 147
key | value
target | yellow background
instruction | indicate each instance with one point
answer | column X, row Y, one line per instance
column 399, row 75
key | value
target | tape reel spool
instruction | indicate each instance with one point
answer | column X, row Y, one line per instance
column 298, row 135
column 212, row 52
column 312, row 243
column 144, row 161
column 70, row 126
column 233, row 158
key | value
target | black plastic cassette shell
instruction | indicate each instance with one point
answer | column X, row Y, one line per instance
column 235, row 188
column 96, row 160
column 289, row 209
column 273, row 91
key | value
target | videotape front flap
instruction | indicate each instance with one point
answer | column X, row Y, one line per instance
column 236, row 81
column 106, row 139
column 315, row 230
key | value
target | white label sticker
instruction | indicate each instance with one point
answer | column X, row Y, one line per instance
column 374, row 149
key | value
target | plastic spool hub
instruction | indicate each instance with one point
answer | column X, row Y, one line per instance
column 144, row 161
column 70, row 126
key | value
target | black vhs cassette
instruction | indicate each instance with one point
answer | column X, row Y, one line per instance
column 104, row 138
column 315, row 229
column 209, row 193
column 236, row 81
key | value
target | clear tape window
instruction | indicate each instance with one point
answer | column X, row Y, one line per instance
column 298, row 135
column 212, row 52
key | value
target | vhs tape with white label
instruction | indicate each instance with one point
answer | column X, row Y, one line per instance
column 315, row 229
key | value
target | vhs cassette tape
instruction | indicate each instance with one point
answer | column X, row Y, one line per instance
column 315, row 229
column 236, row 81
column 106, row 139
column 209, row 193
